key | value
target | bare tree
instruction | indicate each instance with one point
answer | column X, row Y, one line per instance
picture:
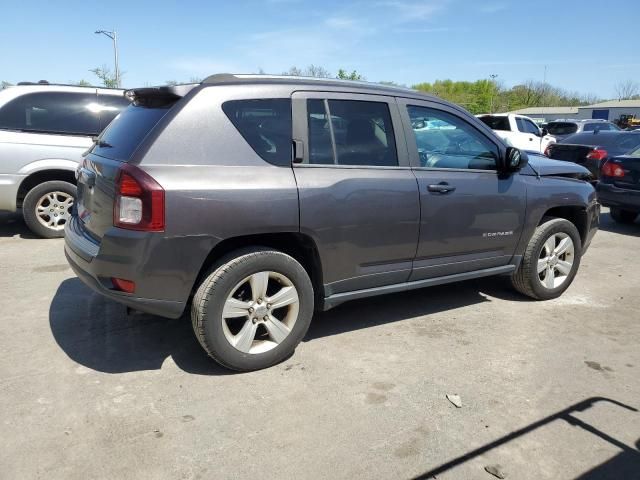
column 310, row 71
column 4, row 84
column 627, row 89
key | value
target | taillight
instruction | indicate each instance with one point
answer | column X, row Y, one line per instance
column 597, row 154
column 610, row 169
column 547, row 151
column 139, row 202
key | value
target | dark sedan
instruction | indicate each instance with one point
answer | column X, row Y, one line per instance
column 619, row 186
column 592, row 149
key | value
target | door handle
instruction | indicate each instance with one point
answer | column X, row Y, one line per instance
column 441, row 188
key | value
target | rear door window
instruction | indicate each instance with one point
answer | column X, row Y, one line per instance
column 351, row 132
column 266, row 125
column 52, row 112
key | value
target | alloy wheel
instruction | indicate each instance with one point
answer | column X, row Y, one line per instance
column 260, row 312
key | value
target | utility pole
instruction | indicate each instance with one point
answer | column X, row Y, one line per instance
column 113, row 35
column 493, row 81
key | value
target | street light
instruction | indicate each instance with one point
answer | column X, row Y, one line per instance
column 493, row 79
column 113, row 36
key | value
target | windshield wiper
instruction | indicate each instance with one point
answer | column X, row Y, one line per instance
column 101, row 143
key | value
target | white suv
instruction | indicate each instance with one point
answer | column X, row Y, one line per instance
column 518, row 131
column 44, row 129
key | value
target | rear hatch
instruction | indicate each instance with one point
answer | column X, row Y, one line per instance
column 570, row 153
column 113, row 150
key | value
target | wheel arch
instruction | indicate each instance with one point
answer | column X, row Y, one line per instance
column 576, row 214
column 297, row 245
column 41, row 176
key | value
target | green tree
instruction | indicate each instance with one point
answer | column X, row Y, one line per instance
column 343, row 75
column 83, row 83
column 105, row 75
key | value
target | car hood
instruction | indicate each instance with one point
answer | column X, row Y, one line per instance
column 543, row 167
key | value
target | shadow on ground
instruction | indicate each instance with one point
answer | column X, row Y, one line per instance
column 12, row 224
column 608, row 224
column 625, row 465
column 97, row 332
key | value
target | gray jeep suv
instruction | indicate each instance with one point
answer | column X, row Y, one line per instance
column 254, row 200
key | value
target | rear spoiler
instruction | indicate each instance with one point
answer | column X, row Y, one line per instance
column 167, row 92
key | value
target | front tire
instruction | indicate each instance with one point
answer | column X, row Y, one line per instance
column 623, row 216
column 47, row 207
column 253, row 309
column 550, row 261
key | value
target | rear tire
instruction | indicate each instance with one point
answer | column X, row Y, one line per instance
column 253, row 309
column 623, row 216
column 550, row 261
column 47, row 207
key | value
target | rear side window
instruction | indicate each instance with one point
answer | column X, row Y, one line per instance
column 266, row 125
column 52, row 112
column 110, row 106
column 129, row 129
column 496, row 123
column 351, row 132
column 562, row 128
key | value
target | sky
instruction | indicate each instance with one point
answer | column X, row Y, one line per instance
column 586, row 46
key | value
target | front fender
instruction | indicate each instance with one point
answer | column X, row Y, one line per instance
column 546, row 193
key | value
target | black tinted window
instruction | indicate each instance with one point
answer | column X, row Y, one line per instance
column 447, row 141
column 127, row 131
column 562, row 128
column 496, row 123
column 362, row 133
column 52, row 112
column 265, row 124
column 110, row 106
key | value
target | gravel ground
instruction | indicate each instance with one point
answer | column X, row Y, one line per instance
column 548, row 389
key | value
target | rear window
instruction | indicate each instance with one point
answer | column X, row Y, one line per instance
column 618, row 142
column 561, row 128
column 496, row 123
column 266, row 125
column 129, row 129
column 590, row 127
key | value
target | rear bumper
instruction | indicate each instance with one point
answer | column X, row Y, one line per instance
column 96, row 269
column 611, row 196
column 9, row 185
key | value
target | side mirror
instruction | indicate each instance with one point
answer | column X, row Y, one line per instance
column 515, row 160
column 544, row 132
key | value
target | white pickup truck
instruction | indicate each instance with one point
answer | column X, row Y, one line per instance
column 519, row 131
